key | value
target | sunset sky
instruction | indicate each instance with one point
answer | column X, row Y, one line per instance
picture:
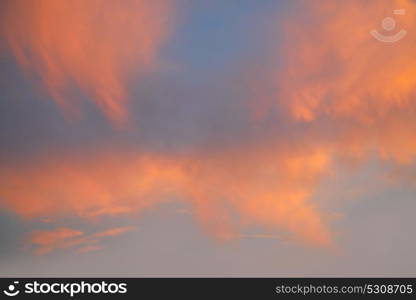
column 207, row 138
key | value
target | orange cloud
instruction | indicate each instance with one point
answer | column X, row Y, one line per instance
column 95, row 45
column 339, row 69
column 61, row 238
column 89, row 248
column 47, row 241
column 115, row 231
column 335, row 73
column 268, row 186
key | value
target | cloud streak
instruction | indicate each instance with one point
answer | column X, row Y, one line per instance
column 268, row 186
column 96, row 46
column 46, row 241
column 61, row 238
column 115, row 231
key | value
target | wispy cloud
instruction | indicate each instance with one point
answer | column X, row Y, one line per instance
column 343, row 78
column 260, row 236
column 61, row 238
column 47, row 241
column 89, row 248
column 270, row 186
column 115, row 231
column 97, row 46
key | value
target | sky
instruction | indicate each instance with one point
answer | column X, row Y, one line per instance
column 207, row 138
